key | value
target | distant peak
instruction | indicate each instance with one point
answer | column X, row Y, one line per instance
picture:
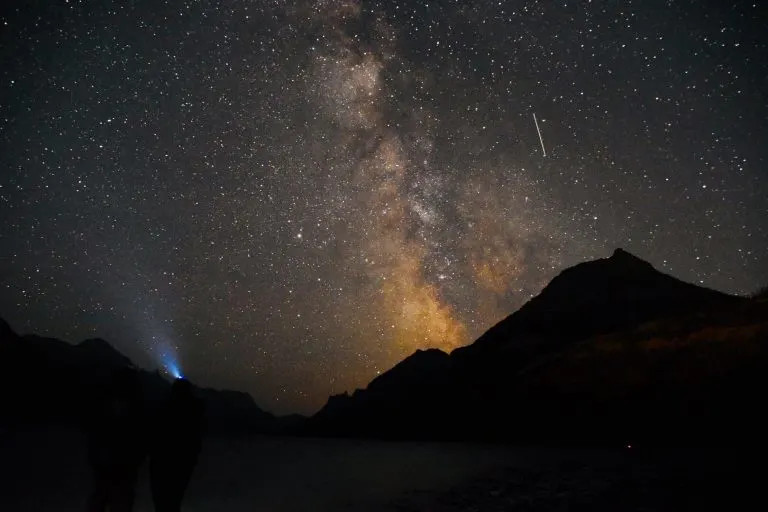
column 621, row 253
column 431, row 352
column 102, row 348
column 622, row 256
column 96, row 342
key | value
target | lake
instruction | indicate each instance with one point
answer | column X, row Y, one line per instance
column 46, row 470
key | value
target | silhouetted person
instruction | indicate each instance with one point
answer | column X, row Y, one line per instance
column 116, row 444
column 175, row 447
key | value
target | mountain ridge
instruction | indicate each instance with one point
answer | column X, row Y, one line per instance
column 622, row 275
column 469, row 396
column 50, row 380
column 610, row 349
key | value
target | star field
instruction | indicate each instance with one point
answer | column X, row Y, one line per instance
column 291, row 197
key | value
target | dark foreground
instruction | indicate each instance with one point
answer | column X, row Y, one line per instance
column 44, row 470
column 610, row 484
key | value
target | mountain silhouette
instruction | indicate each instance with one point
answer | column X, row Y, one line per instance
column 592, row 298
column 97, row 350
column 610, row 351
column 543, row 374
column 52, row 381
column 393, row 403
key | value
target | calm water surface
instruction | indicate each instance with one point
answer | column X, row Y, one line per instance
column 46, row 470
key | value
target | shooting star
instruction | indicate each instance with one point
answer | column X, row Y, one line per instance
column 544, row 151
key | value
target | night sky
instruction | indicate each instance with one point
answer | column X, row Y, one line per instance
column 289, row 198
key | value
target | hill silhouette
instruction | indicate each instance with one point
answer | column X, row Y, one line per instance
column 611, row 350
column 591, row 298
column 46, row 380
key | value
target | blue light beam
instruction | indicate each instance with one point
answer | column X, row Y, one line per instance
column 169, row 360
column 172, row 367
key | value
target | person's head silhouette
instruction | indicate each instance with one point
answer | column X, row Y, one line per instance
column 181, row 388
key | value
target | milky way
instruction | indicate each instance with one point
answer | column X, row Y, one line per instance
column 290, row 197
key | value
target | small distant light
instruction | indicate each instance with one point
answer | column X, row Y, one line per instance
column 629, row 446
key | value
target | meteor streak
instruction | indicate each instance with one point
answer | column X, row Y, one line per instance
column 544, row 151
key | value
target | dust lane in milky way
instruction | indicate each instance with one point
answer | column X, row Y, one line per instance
column 290, row 197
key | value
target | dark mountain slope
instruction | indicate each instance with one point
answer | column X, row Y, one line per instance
column 591, row 298
column 488, row 391
column 393, row 404
column 50, row 381
column 693, row 378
